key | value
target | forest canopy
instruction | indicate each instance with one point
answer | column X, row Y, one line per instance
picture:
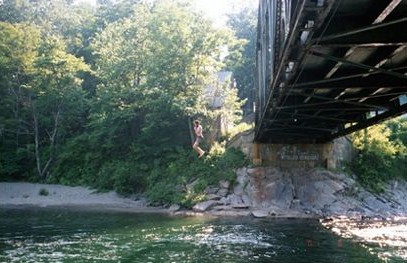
column 104, row 95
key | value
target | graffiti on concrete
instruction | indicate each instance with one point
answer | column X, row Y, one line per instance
column 292, row 153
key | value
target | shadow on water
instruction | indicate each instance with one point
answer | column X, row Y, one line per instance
column 56, row 235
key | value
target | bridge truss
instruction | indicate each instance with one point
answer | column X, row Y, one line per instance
column 327, row 68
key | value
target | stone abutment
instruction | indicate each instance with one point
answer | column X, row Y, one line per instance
column 331, row 155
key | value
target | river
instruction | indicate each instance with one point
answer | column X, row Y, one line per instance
column 66, row 235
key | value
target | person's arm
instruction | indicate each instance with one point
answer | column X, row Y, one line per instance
column 199, row 131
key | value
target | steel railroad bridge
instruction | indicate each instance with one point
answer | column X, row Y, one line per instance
column 327, row 68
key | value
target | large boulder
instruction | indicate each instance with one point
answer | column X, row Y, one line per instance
column 260, row 213
column 174, row 208
column 204, row 206
column 224, row 184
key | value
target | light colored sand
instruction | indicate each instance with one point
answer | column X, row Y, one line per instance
column 28, row 194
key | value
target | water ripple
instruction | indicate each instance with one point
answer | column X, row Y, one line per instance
column 86, row 237
column 386, row 239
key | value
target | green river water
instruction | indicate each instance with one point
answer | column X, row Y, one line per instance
column 66, row 235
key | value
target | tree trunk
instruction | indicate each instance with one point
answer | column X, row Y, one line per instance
column 52, row 144
column 36, row 139
column 43, row 171
column 16, row 90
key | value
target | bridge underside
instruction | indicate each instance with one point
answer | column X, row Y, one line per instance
column 342, row 68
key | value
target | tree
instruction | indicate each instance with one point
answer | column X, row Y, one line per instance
column 41, row 95
column 75, row 24
column 18, row 51
column 56, row 99
column 382, row 153
column 12, row 11
column 160, row 59
column 242, row 60
column 122, row 125
column 151, row 67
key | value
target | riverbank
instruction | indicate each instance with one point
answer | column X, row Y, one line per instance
column 22, row 195
column 258, row 192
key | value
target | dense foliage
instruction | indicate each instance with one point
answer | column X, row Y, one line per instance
column 104, row 96
column 242, row 63
column 382, row 153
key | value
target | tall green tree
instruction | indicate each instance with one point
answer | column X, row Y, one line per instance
column 13, row 11
column 41, row 94
column 242, row 60
column 151, row 67
column 57, row 100
column 159, row 58
column 18, row 51
column 75, row 23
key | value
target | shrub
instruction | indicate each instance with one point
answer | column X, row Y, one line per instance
column 43, row 192
column 382, row 155
column 121, row 176
column 167, row 183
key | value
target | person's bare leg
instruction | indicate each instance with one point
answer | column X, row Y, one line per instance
column 198, row 150
column 202, row 152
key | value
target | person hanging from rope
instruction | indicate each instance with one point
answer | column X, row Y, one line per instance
column 198, row 138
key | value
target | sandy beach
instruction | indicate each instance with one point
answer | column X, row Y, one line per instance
column 51, row 195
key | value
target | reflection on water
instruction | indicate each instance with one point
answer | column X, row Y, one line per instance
column 386, row 239
column 74, row 236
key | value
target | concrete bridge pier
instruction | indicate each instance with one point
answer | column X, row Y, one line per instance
column 330, row 155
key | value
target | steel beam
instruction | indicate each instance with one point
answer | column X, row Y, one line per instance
column 358, row 65
column 359, row 30
column 386, row 12
column 345, row 101
column 353, row 81
column 369, row 122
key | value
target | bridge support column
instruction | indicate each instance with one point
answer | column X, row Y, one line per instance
column 329, row 155
column 256, row 154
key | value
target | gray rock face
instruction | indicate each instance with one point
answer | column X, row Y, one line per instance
column 222, row 192
column 224, row 184
column 317, row 192
column 234, row 199
column 174, row 208
column 211, row 190
column 203, row 206
column 260, row 213
column 266, row 191
column 213, row 197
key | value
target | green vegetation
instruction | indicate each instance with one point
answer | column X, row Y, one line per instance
column 43, row 192
column 243, row 63
column 103, row 96
column 184, row 179
column 382, row 153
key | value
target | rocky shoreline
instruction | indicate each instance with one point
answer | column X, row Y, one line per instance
column 258, row 192
column 295, row 193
